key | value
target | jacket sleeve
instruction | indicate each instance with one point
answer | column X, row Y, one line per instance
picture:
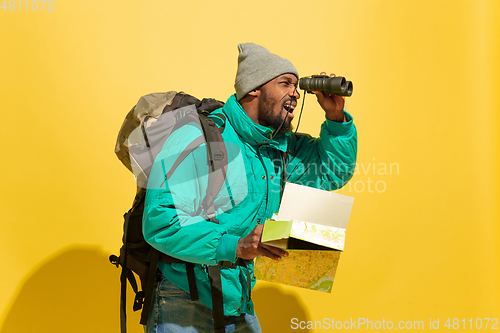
column 327, row 162
column 171, row 222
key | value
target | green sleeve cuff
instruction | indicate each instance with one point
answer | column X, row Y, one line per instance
column 340, row 129
column 226, row 250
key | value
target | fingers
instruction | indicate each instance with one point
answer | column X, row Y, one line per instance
column 251, row 246
column 319, row 96
column 264, row 252
column 273, row 252
column 331, row 75
column 258, row 230
column 256, row 235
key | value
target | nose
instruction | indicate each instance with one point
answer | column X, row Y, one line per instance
column 295, row 93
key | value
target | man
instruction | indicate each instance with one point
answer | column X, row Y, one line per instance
column 256, row 130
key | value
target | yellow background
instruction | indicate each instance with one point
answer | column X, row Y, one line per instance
column 426, row 81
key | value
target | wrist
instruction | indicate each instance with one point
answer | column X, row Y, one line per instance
column 337, row 116
column 238, row 248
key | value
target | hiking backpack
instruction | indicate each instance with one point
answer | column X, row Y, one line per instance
column 143, row 133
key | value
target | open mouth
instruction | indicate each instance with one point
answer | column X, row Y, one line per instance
column 289, row 107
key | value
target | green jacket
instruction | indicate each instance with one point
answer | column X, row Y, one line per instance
column 250, row 195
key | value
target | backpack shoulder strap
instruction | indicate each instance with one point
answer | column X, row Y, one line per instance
column 217, row 159
column 220, row 120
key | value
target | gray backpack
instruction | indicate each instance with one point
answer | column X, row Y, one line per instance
column 142, row 136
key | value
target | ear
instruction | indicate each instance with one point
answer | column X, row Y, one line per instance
column 254, row 93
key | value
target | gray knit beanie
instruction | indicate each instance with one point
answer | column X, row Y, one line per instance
column 256, row 66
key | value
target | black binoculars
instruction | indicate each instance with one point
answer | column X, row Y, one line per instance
column 336, row 85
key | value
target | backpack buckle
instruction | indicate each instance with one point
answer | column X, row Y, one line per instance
column 138, row 301
column 219, row 156
column 114, row 260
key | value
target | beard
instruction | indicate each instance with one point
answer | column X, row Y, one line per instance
column 276, row 120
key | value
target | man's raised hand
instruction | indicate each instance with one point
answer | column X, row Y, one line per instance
column 333, row 105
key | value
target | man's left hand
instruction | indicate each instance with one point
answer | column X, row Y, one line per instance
column 333, row 105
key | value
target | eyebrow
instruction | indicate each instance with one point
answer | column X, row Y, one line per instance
column 290, row 80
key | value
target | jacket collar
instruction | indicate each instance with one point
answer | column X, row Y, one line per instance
column 249, row 131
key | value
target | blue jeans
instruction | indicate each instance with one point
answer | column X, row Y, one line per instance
column 174, row 312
